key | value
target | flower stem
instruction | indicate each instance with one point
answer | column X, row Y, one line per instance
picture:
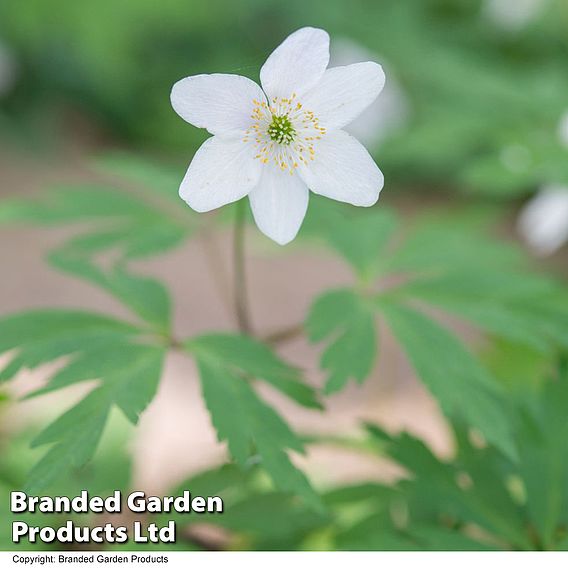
column 240, row 282
column 285, row 334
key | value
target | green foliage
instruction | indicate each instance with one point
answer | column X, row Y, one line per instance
column 127, row 359
column 144, row 296
column 109, row 471
column 251, row 427
column 483, row 106
column 122, row 226
column 544, row 462
column 476, row 499
column 43, row 335
column 516, row 504
column 484, row 111
column 455, row 378
column 360, row 238
column 444, row 263
column 95, row 347
column 347, row 319
column 249, row 358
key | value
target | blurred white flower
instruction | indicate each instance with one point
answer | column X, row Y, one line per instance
column 274, row 143
column 7, row 69
column 388, row 112
column 543, row 222
column 512, row 15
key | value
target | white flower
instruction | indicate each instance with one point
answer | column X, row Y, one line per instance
column 274, row 143
column 543, row 222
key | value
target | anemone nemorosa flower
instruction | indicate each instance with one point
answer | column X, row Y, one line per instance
column 274, row 143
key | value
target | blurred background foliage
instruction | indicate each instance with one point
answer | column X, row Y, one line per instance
column 470, row 122
column 484, row 97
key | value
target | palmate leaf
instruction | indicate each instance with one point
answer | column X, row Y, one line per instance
column 446, row 262
column 144, row 296
column 543, row 465
column 96, row 347
column 521, row 307
column 41, row 336
column 123, row 225
column 126, row 223
column 272, row 519
column 457, row 380
column 519, row 504
column 226, row 366
column 436, row 490
column 375, row 532
column 264, row 519
column 439, row 243
column 247, row 357
column 75, row 435
column 346, row 320
column 360, row 239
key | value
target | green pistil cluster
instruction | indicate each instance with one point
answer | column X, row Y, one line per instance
column 281, row 129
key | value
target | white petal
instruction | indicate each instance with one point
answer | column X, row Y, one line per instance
column 221, row 103
column 344, row 92
column 297, row 64
column 343, row 170
column 222, row 171
column 543, row 222
column 279, row 204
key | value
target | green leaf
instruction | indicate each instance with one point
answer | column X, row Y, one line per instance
column 434, row 492
column 249, row 358
column 359, row 237
column 143, row 171
column 347, row 322
column 544, row 459
column 144, row 296
column 72, row 203
column 436, row 537
column 439, row 245
column 96, row 347
column 135, row 226
column 41, row 336
column 459, row 383
column 129, row 383
column 250, row 426
column 270, row 517
column 376, row 532
column 501, row 321
column 75, row 436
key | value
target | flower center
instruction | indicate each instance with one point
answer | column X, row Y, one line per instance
column 284, row 133
column 281, row 129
